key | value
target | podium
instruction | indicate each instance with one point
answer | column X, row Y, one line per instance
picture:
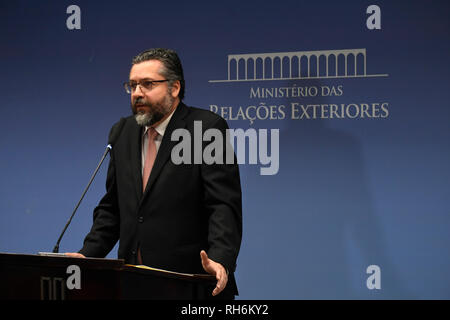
column 36, row 277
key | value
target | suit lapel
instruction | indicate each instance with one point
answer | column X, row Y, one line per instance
column 166, row 146
column 136, row 158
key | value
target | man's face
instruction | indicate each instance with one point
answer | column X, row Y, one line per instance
column 150, row 106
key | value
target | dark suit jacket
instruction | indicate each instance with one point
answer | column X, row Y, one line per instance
column 184, row 209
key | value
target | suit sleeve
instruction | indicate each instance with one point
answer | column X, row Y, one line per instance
column 105, row 230
column 223, row 203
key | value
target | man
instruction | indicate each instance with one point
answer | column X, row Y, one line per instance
column 186, row 217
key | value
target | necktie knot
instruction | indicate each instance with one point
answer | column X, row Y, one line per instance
column 152, row 133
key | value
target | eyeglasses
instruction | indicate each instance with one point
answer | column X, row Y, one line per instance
column 146, row 85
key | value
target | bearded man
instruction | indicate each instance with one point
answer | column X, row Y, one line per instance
column 185, row 217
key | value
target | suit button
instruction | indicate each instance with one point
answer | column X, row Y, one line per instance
column 133, row 252
column 141, row 219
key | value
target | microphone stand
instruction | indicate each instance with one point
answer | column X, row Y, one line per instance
column 108, row 148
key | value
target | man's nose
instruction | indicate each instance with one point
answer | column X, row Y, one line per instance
column 137, row 92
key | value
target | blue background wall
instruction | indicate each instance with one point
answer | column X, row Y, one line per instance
column 349, row 192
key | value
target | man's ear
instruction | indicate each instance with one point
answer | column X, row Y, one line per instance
column 176, row 87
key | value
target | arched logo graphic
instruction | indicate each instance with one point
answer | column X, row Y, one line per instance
column 320, row 64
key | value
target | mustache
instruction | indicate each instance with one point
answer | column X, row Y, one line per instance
column 140, row 101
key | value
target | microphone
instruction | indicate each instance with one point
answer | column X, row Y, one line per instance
column 115, row 132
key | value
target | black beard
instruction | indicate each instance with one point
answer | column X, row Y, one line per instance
column 158, row 111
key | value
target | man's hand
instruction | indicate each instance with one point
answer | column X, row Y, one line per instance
column 74, row 255
column 216, row 269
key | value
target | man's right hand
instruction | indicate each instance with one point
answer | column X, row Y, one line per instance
column 74, row 255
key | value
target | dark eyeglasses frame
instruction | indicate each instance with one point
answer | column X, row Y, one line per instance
column 144, row 84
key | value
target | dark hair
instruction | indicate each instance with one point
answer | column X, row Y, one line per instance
column 172, row 70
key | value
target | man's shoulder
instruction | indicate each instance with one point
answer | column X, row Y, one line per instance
column 124, row 127
column 126, row 122
column 206, row 116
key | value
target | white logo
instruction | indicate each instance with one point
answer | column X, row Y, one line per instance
column 295, row 101
column 320, row 64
